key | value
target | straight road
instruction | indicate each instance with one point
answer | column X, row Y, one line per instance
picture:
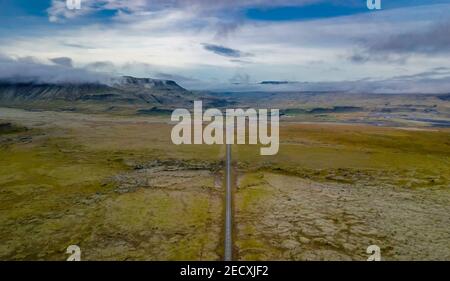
column 228, row 214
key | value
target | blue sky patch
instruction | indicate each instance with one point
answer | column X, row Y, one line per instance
column 328, row 9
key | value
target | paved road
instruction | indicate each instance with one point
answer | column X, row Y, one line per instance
column 228, row 215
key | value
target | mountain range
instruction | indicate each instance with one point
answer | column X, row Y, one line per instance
column 123, row 95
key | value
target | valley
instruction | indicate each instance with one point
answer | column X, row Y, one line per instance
column 117, row 187
column 349, row 173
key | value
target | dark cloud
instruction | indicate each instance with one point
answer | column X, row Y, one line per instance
column 435, row 40
column 399, row 48
column 240, row 61
column 224, row 51
column 63, row 61
column 78, row 46
column 430, row 41
column 363, row 56
column 359, row 58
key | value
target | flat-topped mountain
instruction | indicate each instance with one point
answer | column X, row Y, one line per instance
column 148, row 83
column 274, row 82
column 130, row 94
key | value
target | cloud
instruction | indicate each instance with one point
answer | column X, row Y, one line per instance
column 59, row 12
column 183, row 81
column 388, row 86
column 240, row 79
column 433, row 40
column 175, row 77
column 143, row 38
column 29, row 69
column 142, row 70
column 101, row 66
column 435, row 73
column 239, row 61
column 63, row 61
column 79, row 46
column 360, row 57
column 224, row 29
column 224, row 51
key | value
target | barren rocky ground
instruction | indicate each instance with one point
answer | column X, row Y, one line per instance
column 288, row 218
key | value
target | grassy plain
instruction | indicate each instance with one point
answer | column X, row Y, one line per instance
column 117, row 187
column 333, row 190
column 114, row 186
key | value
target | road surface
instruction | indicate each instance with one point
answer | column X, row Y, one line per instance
column 228, row 215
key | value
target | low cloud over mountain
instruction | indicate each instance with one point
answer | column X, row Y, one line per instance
column 56, row 70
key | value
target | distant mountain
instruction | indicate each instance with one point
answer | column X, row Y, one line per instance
column 24, row 92
column 126, row 93
column 274, row 82
column 444, row 97
column 149, row 83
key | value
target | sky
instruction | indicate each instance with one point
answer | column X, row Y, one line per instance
column 232, row 44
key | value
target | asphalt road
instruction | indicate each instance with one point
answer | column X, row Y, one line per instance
column 228, row 215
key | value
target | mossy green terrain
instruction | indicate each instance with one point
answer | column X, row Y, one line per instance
column 92, row 181
column 333, row 190
column 357, row 153
column 117, row 187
